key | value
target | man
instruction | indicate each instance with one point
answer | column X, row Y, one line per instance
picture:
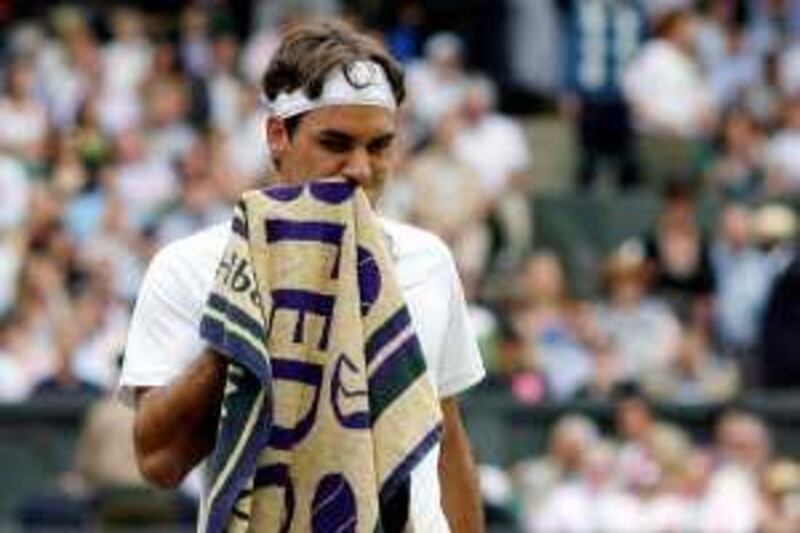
column 317, row 127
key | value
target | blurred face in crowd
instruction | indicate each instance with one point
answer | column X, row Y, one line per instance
column 126, row 24
column 543, row 279
column 20, row 80
column 477, row 101
column 571, row 440
column 744, row 440
column 791, row 115
column 225, row 53
column 692, row 352
column 634, row 419
column 735, row 226
column 352, row 141
column 166, row 103
column 683, row 32
column 739, row 133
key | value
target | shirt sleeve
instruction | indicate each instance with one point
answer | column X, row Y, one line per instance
column 460, row 363
column 163, row 338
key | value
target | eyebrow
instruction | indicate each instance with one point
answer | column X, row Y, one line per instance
column 338, row 135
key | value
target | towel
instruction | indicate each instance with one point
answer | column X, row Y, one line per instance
column 327, row 405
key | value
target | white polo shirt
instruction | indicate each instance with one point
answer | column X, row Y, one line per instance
column 164, row 334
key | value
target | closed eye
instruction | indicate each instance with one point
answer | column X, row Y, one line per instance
column 380, row 144
column 336, row 142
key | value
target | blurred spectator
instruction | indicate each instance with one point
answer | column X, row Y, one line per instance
column 495, row 146
column 23, row 120
column 642, row 330
column 601, row 38
column 195, row 41
column 437, row 83
column 742, row 277
column 492, row 143
column 780, row 335
column 733, row 500
column 436, row 176
column 780, row 488
column 14, row 383
column 127, row 58
column 546, row 322
column 63, row 384
column 199, row 203
column 664, row 84
column 783, row 161
column 168, row 132
column 738, row 170
column 145, row 182
column 696, row 376
column 225, row 91
column 728, row 54
column 590, row 502
column 571, row 440
column 404, row 36
column 680, row 256
column 637, row 428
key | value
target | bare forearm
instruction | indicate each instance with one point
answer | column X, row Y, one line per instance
column 175, row 425
column 461, row 497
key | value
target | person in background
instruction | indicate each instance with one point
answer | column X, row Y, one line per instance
column 782, row 159
column 545, row 320
column 571, row 441
column 742, row 277
column 679, row 255
column 737, row 171
column 496, row 147
column 696, row 376
column 437, row 175
column 601, row 38
column 743, row 447
column 640, row 328
column 437, row 82
column 664, row 85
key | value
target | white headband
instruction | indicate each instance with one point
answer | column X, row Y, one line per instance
column 365, row 83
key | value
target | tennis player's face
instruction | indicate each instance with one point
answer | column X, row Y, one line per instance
column 354, row 142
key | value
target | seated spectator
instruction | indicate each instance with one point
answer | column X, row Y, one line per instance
column 592, row 501
column 546, row 322
column 14, row 385
column 782, row 159
column 742, row 277
column 437, row 175
column 780, row 335
column 571, row 440
column 743, row 446
column 642, row 330
column 23, row 120
column 637, row 429
column 64, row 384
column 695, row 376
column 664, row 84
column 680, row 257
column 199, row 204
column 496, row 147
column 738, row 170
column 436, row 84
column 780, row 487
column 144, row 182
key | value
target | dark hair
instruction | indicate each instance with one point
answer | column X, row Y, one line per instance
column 308, row 53
column 667, row 22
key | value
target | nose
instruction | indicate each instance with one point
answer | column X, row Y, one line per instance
column 357, row 167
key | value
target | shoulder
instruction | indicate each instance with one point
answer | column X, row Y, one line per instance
column 198, row 250
column 410, row 243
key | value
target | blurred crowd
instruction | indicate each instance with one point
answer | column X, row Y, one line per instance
column 122, row 130
column 652, row 477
